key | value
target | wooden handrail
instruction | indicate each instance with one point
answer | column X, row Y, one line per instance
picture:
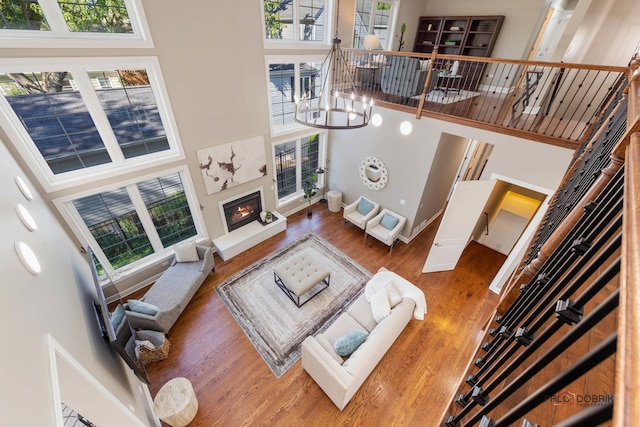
column 626, row 408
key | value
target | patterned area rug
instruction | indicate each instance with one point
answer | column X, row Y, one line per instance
column 449, row 97
column 273, row 323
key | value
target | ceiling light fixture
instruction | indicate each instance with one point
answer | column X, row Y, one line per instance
column 339, row 106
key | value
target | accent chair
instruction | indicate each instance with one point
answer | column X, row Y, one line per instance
column 360, row 211
column 386, row 227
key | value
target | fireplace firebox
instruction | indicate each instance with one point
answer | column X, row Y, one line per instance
column 242, row 211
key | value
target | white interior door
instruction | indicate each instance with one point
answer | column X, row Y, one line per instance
column 458, row 222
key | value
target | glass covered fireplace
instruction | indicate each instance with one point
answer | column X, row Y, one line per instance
column 242, row 211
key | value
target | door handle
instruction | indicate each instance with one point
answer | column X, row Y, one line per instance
column 437, row 244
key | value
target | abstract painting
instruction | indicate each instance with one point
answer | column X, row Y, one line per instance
column 226, row 165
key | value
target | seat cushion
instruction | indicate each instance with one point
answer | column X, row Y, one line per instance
column 341, row 327
column 364, row 206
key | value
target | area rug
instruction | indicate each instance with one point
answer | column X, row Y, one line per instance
column 449, row 97
column 273, row 323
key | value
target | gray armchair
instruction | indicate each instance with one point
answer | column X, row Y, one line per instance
column 403, row 76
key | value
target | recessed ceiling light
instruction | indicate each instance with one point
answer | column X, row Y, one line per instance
column 28, row 258
column 24, row 188
column 406, row 128
column 376, row 120
column 25, row 217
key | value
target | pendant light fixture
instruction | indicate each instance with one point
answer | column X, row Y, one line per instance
column 338, row 106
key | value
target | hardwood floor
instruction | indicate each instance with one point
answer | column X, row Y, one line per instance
column 412, row 384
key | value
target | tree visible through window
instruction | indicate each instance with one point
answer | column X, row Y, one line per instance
column 115, row 219
column 90, row 16
column 295, row 20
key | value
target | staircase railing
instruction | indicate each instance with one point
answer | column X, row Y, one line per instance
column 566, row 346
column 556, row 103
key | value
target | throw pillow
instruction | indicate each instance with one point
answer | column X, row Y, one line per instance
column 389, row 221
column 116, row 316
column 349, row 343
column 364, row 206
column 186, row 251
column 380, row 307
column 142, row 307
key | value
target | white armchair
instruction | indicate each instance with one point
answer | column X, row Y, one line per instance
column 386, row 227
column 360, row 211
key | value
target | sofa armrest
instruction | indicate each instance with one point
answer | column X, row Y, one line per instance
column 325, row 371
column 351, row 207
column 375, row 220
column 206, row 255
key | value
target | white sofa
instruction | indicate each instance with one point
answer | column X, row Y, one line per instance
column 353, row 215
column 376, row 227
column 340, row 378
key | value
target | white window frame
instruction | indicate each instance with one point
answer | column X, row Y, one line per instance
column 296, row 60
column 60, row 36
column 79, row 67
column 393, row 18
column 68, row 211
column 296, row 43
column 322, row 156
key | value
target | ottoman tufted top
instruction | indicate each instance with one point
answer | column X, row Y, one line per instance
column 301, row 272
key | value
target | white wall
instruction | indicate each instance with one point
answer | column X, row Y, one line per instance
column 409, row 160
column 57, row 302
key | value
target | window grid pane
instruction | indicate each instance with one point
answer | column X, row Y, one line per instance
column 168, row 207
column 90, row 16
column 22, row 15
column 312, row 20
column 362, row 22
column 113, row 221
column 310, row 156
column 285, row 159
column 56, row 118
column 281, row 77
column 128, row 101
column 381, row 22
column 278, row 18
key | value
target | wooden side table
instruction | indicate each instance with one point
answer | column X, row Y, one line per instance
column 176, row 402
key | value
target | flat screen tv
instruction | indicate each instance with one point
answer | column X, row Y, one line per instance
column 114, row 325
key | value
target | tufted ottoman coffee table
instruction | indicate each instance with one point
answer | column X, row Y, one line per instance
column 301, row 277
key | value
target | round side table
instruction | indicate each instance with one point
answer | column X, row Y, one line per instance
column 335, row 198
column 176, row 402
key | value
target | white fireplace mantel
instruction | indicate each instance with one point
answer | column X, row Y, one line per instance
column 247, row 236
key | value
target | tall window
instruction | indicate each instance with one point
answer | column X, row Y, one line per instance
column 134, row 221
column 295, row 162
column 375, row 17
column 88, row 22
column 295, row 21
column 286, row 81
column 78, row 123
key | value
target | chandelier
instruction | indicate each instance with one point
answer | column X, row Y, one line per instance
column 338, row 105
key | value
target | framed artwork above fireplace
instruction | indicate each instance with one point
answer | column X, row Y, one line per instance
column 227, row 165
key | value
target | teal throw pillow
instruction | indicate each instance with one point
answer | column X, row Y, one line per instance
column 349, row 343
column 364, row 206
column 389, row 221
column 117, row 315
column 142, row 307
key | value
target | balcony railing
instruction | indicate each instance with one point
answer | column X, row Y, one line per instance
column 556, row 103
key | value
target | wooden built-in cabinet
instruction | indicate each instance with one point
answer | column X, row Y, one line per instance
column 458, row 35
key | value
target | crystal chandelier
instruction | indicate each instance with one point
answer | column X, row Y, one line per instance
column 338, row 105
